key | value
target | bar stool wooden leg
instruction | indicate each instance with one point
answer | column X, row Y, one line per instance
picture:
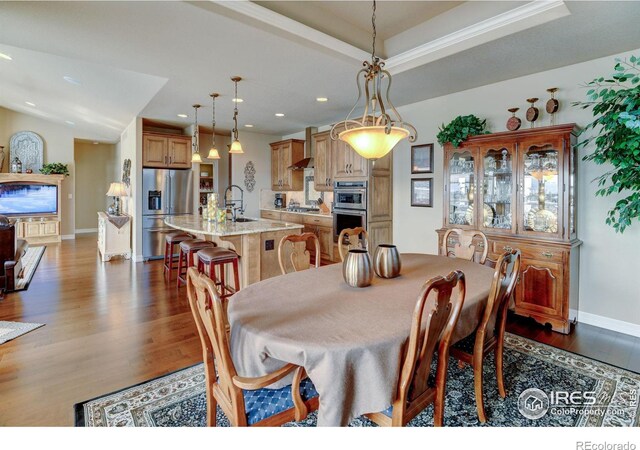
column 166, row 268
column 180, row 260
column 236, row 275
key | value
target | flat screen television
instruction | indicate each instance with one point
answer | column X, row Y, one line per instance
column 25, row 199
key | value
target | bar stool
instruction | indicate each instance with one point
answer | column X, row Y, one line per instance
column 170, row 241
column 188, row 248
column 212, row 258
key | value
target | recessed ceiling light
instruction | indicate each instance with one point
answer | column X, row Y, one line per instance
column 237, row 100
column 69, row 122
column 30, row 103
column 249, row 125
column 184, row 116
column 72, row 80
column 95, row 142
column 5, row 56
column 279, row 114
column 322, row 99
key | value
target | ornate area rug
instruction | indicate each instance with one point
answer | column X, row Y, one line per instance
column 545, row 387
column 30, row 263
column 12, row 330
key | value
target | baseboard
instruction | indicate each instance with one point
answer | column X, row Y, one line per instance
column 86, row 230
column 610, row 324
column 66, row 237
column 137, row 258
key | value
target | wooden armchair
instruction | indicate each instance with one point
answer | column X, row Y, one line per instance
column 300, row 256
column 242, row 399
column 434, row 318
column 465, row 248
column 352, row 236
column 490, row 332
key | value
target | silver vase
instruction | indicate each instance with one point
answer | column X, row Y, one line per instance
column 357, row 269
column 386, row 261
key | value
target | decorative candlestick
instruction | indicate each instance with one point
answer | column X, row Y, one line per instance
column 552, row 106
column 532, row 111
column 514, row 122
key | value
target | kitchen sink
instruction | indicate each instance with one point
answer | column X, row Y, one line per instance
column 245, row 219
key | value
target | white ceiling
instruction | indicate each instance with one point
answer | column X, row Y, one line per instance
column 156, row 59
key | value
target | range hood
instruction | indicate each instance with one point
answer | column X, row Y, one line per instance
column 307, row 162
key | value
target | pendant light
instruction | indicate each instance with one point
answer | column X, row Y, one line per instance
column 195, row 140
column 235, row 145
column 380, row 128
column 213, row 152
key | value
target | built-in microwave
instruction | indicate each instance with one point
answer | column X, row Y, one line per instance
column 350, row 195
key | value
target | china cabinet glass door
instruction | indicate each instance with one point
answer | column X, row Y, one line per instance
column 541, row 189
column 462, row 188
column 498, row 188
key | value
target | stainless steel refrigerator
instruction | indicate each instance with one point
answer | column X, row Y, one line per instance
column 165, row 192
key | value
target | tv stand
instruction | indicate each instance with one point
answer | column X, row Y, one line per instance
column 37, row 229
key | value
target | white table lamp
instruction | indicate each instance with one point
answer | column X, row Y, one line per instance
column 117, row 190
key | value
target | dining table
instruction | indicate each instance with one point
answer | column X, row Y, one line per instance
column 349, row 340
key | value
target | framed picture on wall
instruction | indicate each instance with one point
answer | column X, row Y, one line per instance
column 422, row 192
column 422, row 158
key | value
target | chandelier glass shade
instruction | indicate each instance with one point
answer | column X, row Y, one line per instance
column 380, row 128
column 213, row 151
column 195, row 140
column 236, row 148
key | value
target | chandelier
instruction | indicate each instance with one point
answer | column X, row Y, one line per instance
column 235, row 145
column 213, row 152
column 195, row 140
column 381, row 127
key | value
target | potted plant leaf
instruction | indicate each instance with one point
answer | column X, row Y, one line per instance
column 615, row 133
column 55, row 168
column 460, row 128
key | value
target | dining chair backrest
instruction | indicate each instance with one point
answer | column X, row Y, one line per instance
column 210, row 317
column 504, row 281
column 299, row 256
column 465, row 248
column 434, row 318
column 352, row 237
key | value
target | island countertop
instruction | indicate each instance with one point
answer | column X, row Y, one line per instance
column 194, row 224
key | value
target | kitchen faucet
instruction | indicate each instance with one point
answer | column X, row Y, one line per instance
column 232, row 203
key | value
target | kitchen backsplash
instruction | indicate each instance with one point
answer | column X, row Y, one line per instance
column 267, row 196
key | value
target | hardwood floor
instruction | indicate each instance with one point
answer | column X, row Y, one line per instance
column 112, row 325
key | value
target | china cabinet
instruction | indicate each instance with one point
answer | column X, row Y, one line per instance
column 519, row 189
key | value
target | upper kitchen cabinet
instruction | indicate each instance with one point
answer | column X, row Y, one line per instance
column 166, row 151
column 347, row 163
column 283, row 155
column 323, row 161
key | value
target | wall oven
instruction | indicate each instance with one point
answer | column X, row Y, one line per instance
column 349, row 206
column 348, row 218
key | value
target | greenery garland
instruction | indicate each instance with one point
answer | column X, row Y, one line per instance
column 460, row 128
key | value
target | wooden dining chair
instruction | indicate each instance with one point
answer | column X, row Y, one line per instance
column 352, row 236
column 300, row 256
column 434, row 319
column 244, row 400
column 465, row 248
column 490, row 332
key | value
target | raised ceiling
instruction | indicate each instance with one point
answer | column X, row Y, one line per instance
column 155, row 59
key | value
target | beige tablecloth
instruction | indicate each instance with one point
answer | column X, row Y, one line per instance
column 348, row 339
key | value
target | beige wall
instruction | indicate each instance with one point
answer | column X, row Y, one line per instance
column 95, row 171
column 609, row 295
column 58, row 147
column 256, row 148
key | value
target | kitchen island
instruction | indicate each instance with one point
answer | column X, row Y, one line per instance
column 254, row 240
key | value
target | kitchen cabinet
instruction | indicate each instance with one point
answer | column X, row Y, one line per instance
column 323, row 161
column 347, row 163
column 320, row 225
column 166, row 151
column 519, row 189
column 283, row 155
